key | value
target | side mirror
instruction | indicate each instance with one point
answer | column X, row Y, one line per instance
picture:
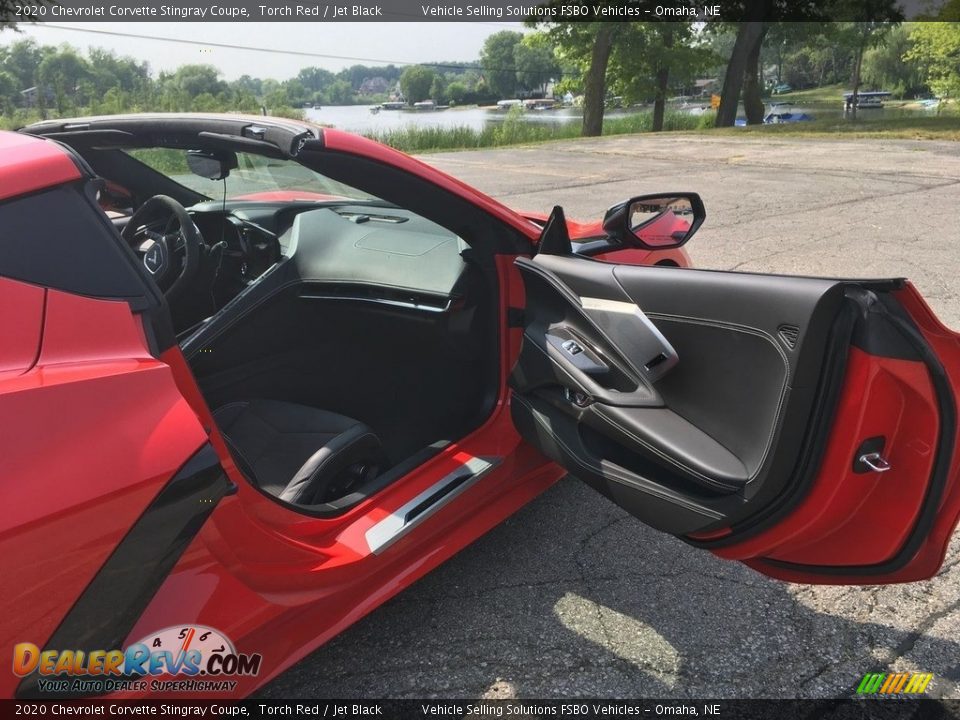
column 656, row 222
column 211, row 165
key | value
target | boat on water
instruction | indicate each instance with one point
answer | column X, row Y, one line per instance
column 777, row 116
column 507, row 104
column 871, row 100
column 542, row 104
column 393, row 105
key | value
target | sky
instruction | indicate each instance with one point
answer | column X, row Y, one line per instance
column 370, row 43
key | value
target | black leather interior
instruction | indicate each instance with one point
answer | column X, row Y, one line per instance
column 373, row 313
column 300, row 454
column 722, row 426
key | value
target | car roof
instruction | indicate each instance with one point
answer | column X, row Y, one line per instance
column 283, row 134
column 280, row 136
column 28, row 164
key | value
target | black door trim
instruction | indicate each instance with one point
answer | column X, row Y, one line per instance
column 116, row 597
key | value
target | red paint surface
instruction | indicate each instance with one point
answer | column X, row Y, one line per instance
column 21, row 325
column 262, row 573
column 28, row 164
column 91, row 433
column 853, row 518
column 864, row 519
column 281, row 583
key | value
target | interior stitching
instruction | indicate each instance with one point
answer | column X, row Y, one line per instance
column 761, row 334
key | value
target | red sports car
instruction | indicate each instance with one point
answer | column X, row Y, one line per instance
column 289, row 371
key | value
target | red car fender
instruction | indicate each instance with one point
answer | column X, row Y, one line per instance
column 93, row 430
column 262, row 573
column 28, row 164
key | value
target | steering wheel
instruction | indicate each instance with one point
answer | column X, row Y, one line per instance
column 172, row 254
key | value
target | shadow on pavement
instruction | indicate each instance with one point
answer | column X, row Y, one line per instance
column 573, row 598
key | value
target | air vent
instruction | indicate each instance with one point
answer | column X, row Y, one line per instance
column 789, row 334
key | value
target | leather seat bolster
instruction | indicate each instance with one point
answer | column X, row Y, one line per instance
column 295, row 452
column 356, row 445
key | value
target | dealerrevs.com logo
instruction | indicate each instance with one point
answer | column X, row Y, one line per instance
column 191, row 658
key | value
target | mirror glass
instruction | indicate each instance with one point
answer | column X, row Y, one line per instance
column 661, row 221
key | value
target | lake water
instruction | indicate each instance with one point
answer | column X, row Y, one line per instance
column 359, row 119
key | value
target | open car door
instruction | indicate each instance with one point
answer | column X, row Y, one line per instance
column 804, row 426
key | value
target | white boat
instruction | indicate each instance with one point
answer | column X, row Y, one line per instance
column 541, row 104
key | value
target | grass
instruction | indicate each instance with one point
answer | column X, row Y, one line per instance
column 514, row 130
column 944, row 127
column 831, row 95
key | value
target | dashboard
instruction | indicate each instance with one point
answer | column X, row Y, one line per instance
column 249, row 249
column 370, row 253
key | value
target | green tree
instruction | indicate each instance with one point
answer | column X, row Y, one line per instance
column 198, row 79
column 741, row 78
column 22, row 59
column 888, row 65
column 205, row 102
column 586, row 46
column 861, row 35
column 456, row 92
column 340, row 92
column 315, row 79
column 535, row 63
column 296, row 93
column 438, row 88
column 497, row 61
column 107, row 70
column 652, row 55
column 247, row 84
column 63, row 72
column 936, row 49
column 8, row 92
column 415, row 83
column 741, row 72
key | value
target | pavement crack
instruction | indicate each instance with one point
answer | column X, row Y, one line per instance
column 907, row 645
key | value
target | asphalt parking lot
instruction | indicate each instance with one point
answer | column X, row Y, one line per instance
column 572, row 597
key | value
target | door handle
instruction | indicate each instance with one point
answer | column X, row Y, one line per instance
column 869, row 456
column 875, row 461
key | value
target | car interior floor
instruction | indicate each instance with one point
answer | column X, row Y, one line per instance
column 415, row 377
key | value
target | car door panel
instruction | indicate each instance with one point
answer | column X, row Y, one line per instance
column 702, row 430
column 21, row 331
column 120, row 430
column 777, row 380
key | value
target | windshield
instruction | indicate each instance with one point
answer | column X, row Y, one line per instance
column 255, row 177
